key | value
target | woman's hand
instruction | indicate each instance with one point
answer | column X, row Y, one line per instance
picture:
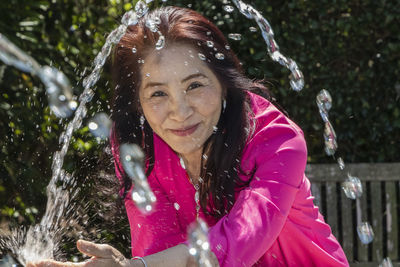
column 101, row 255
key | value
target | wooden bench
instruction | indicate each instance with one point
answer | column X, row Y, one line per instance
column 379, row 205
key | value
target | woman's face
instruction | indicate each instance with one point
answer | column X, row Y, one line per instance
column 180, row 97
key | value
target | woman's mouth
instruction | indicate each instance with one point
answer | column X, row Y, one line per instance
column 185, row 131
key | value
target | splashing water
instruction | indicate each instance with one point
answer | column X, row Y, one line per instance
column 296, row 76
column 199, row 245
column 58, row 88
column 365, row 233
column 324, row 102
column 100, row 125
column 352, row 187
column 387, row 262
column 341, row 163
column 235, row 36
column 132, row 158
column 42, row 241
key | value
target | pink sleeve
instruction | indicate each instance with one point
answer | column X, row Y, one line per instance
column 278, row 153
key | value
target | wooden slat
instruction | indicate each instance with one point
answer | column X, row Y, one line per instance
column 371, row 264
column 365, row 171
column 348, row 226
column 332, row 208
column 391, row 220
column 377, row 220
column 316, row 192
column 362, row 250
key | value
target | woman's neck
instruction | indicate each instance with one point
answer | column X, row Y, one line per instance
column 193, row 163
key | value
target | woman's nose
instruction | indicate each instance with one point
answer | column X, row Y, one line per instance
column 180, row 108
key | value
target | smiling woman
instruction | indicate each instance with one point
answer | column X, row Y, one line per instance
column 214, row 150
column 182, row 104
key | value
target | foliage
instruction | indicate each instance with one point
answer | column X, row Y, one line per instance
column 350, row 48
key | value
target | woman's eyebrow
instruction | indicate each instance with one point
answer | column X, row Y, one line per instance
column 191, row 76
column 195, row 75
column 152, row 84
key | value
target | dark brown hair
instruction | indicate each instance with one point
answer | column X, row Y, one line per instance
column 224, row 148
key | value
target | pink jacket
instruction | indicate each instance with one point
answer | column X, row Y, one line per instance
column 273, row 221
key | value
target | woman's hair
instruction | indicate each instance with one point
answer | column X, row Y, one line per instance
column 223, row 149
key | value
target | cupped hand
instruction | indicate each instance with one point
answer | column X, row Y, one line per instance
column 101, row 256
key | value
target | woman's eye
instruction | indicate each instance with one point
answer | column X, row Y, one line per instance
column 158, row 93
column 194, row 85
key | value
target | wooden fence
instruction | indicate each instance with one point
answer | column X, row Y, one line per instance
column 379, row 205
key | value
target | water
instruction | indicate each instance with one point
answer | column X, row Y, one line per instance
column 43, row 240
column 296, row 76
column 100, row 125
column 386, row 263
column 365, row 233
column 352, row 187
column 324, row 103
column 58, row 88
column 132, row 159
column 199, row 246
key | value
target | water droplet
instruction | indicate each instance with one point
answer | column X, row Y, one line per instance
column 253, row 29
column 235, row 36
column 387, row 262
column 176, row 206
column 141, row 8
column 199, row 245
column 341, row 163
column 132, row 159
column 352, row 187
column 182, row 163
column 93, row 126
column 210, row 43
column 324, row 100
column 160, row 43
column 129, row 18
column 100, row 125
column 151, row 25
column 202, row 56
column 229, row 8
column 220, row 56
column 134, row 50
column 59, row 91
column 192, row 251
column 157, row 21
column 330, row 139
column 365, row 233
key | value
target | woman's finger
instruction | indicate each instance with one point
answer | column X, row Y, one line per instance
column 97, row 250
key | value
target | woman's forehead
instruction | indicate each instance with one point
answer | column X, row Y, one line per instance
column 174, row 60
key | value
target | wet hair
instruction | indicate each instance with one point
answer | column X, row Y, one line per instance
column 223, row 149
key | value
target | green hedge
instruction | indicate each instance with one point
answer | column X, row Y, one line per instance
column 350, row 48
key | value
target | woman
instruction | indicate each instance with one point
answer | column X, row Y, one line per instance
column 191, row 108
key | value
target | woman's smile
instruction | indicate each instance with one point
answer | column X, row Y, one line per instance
column 185, row 131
